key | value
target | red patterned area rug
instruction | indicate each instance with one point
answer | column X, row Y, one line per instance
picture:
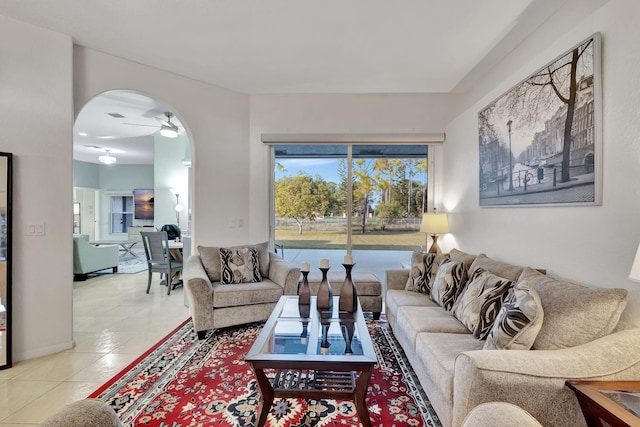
column 183, row 381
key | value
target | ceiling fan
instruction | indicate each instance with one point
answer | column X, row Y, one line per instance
column 168, row 129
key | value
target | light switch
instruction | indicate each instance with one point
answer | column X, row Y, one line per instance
column 36, row 229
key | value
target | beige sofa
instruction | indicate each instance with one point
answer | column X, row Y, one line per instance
column 577, row 339
column 216, row 305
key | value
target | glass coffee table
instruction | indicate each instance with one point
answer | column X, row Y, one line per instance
column 310, row 354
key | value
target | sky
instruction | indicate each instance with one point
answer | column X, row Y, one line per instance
column 326, row 168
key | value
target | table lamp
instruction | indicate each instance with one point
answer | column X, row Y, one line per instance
column 434, row 224
column 634, row 274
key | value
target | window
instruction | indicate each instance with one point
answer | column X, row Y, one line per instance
column 121, row 213
column 314, row 207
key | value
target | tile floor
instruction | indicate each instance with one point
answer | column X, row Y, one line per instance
column 115, row 321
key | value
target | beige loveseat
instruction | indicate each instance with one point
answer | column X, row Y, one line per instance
column 577, row 339
column 216, row 305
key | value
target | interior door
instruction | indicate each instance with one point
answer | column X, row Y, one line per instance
column 87, row 199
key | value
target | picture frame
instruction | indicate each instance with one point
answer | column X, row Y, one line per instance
column 540, row 142
column 143, row 204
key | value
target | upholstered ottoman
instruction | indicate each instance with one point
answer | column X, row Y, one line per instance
column 368, row 287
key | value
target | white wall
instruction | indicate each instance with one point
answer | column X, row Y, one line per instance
column 37, row 117
column 386, row 113
column 217, row 122
column 170, row 173
column 592, row 245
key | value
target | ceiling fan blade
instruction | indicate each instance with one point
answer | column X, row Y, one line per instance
column 139, row 124
column 152, row 113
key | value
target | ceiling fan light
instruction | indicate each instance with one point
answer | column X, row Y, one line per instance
column 168, row 132
column 107, row 159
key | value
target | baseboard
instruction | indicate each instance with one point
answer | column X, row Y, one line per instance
column 43, row 351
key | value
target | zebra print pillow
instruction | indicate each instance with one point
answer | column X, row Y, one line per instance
column 424, row 267
column 448, row 283
column 418, row 276
column 239, row 265
column 519, row 321
column 480, row 301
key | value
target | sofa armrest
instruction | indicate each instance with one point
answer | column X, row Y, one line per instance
column 535, row 379
column 283, row 274
column 397, row 279
column 200, row 293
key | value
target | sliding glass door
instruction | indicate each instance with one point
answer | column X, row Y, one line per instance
column 331, row 199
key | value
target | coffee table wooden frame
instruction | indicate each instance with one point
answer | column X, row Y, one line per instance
column 597, row 407
column 313, row 376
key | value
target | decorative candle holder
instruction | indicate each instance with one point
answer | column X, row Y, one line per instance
column 348, row 294
column 324, row 300
column 304, row 291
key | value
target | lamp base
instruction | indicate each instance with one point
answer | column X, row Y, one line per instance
column 434, row 249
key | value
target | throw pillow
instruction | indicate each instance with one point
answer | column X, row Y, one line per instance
column 499, row 268
column 210, row 257
column 239, row 265
column 433, row 263
column 448, row 283
column 417, row 276
column 480, row 301
column 573, row 314
column 518, row 322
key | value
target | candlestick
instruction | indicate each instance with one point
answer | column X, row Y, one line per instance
column 324, row 263
column 348, row 259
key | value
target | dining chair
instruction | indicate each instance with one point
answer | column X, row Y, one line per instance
column 159, row 260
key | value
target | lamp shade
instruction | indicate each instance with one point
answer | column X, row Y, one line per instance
column 434, row 223
column 634, row 274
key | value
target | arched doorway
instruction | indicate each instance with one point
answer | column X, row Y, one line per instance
column 128, row 124
column 120, row 146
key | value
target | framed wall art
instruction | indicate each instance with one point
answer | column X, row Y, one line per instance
column 540, row 142
column 143, row 204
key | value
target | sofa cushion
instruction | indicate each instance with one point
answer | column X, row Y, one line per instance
column 396, row 298
column 448, row 284
column 246, row 294
column 458, row 255
column 239, row 265
column 499, row 268
column 480, row 301
column 573, row 314
column 437, row 353
column 210, row 256
column 518, row 322
column 412, row 320
column 417, row 276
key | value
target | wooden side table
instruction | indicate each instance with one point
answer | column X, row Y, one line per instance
column 616, row 403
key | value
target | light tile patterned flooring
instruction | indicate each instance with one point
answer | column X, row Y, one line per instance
column 114, row 322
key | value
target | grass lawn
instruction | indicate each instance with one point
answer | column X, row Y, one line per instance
column 374, row 240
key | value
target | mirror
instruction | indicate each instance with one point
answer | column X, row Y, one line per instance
column 6, row 161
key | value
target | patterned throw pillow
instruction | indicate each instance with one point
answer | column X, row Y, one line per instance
column 448, row 283
column 480, row 301
column 417, row 276
column 433, row 263
column 424, row 267
column 518, row 322
column 239, row 265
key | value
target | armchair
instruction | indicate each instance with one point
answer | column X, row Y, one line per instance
column 89, row 258
column 216, row 305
